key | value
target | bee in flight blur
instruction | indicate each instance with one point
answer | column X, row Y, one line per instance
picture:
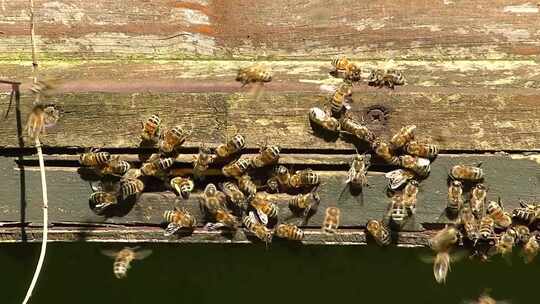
column 41, row 117
column 123, row 259
column 441, row 243
column 385, row 78
column 485, row 298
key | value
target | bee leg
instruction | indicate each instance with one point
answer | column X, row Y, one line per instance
column 213, row 226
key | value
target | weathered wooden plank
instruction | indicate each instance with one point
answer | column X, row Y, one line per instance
column 510, row 177
column 454, row 120
column 273, row 29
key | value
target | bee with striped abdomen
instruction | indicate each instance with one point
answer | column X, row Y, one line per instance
column 501, row 218
column 158, row 166
column 398, row 178
column 95, row 158
column 409, row 196
column 478, row 199
column 486, row 228
column 101, row 200
column 360, row 131
column 132, row 186
column 268, row 155
column 308, row 203
column 467, row 173
column 115, row 166
column 345, row 69
column 212, row 199
column 323, row 120
column 246, row 185
column 172, row 138
column 232, row 146
column 455, row 198
column 402, row 137
column 183, row 186
column 388, row 78
column 530, row 249
column 234, row 194
column 265, row 209
column 469, row 222
column 151, row 128
column 380, row 232
column 357, row 175
column 382, row 149
column 202, row 161
column 41, row 117
column 289, row 232
column 331, row 220
column 523, row 233
column 421, row 150
column 123, row 259
column 259, row 230
column 280, row 179
column 236, row 168
column 304, row 178
column 505, row 242
column 397, row 212
column 339, row 100
column 419, row 165
column 177, row 219
column 526, row 213
column 256, row 73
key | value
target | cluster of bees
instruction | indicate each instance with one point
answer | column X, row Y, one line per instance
column 484, row 226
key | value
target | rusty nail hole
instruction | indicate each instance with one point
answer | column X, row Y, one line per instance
column 377, row 114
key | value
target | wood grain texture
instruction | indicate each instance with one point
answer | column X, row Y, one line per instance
column 273, row 29
column 510, row 177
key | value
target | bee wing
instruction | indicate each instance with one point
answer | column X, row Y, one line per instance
column 171, row 229
column 96, row 186
column 142, row 254
column 99, row 208
column 428, row 259
column 109, row 252
column 396, row 178
column 262, row 217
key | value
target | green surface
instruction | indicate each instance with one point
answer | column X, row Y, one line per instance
column 78, row 273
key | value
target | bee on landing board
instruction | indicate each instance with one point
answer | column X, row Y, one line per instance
column 360, row 131
column 455, row 198
column 505, row 242
column 256, row 73
column 469, row 222
column 123, row 259
column 41, row 117
column 212, row 199
column 157, row 167
column 331, row 220
column 307, row 203
column 501, row 218
column 478, row 199
column 344, row 68
column 530, row 249
column 323, row 120
column 151, row 128
column 420, row 166
column 234, row 194
column 183, row 186
column 304, row 178
column 398, row 178
column 172, row 138
column 246, row 185
column 131, row 186
column 115, row 166
column 232, row 146
column 339, row 100
column 397, row 212
column 467, row 173
column 421, row 149
column 94, row 158
column 178, row 219
column 266, row 210
column 289, row 232
column 388, row 78
column 526, row 213
column 382, row 149
column 380, row 232
column 409, row 196
column 102, row 200
column 202, row 161
column 237, row 168
column 252, row 224
column 357, row 174
column 268, row 155
column 402, row 137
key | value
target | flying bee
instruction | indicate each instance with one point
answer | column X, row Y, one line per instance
column 380, row 232
column 256, row 73
column 422, row 150
column 418, row 165
column 95, row 159
column 177, row 219
column 527, row 213
column 202, row 161
column 236, row 168
column 478, row 198
column 43, row 88
column 129, row 187
column 304, row 178
column 382, row 150
column 212, row 199
column 398, row 177
column 357, row 175
column 172, row 138
column 232, row 146
column 289, row 232
column 115, row 166
column 183, row 186
column 467, row 173
column 357, row 129
column 530, row 249
column 41, row 117
column 254, row 226
column 331, row 220
column 307, row 202
column 323, row 120
column 455, row 198
column 158, row 166
column 246, row 185
column 441, row 266
column 444, row 239
column 123, row 259
column 397, row 211
column 101, row 200
column 388, row 78
column 234, row 194
column 338, row 101
column 267, row 156
column 345, row 69
column 409, row 196
column 501, row 218
column 151, row 128
column 505, row 242
column 523, row 233
column 402, row 137
column 265, row 209
column 486, row 228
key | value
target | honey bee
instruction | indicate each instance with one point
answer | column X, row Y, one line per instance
column 388, row 78
column 202, row 161
column 281, row 179
column 501, row 218
column 505, row 242
column 234, row 194
column 478, row 198
column 338, row 101
column 212, row 200
column 357, row 175
column 94, row 158
column 151, row 128
column 289, row 232
column 419, row 165
column 123, row 259
column 157, row 166
column 469, row 222
column 346, row 69
column 265, row 209
column 402, row 137
column 132, row 174
column 466, row 172
column 340, row 62
column 421, row 150
column 224, row 219
column 253, row 73
column 409, row 196
column 331, row 220
column 455, row 198
column 101, row 200
column 444, row 239
column 129, row 187
column 183, row 186
column 398, row 177
column 267, row 156
column 380, row 232
column 487, row 226
column 530, row 249
column 115, row 166
column 397, row 211
column 441, row 266
column 43, row 88
column 527, row 213
column 254, row 226
column 382, row 150
column 323, row 120
column 234, row 145
column 357, row 129
column 172, row 138
column 307, row 202
column 236, row 168
column 41, row 117
column 177, row 219
column 246, row 185
column 304, row 178
column 523, row 233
